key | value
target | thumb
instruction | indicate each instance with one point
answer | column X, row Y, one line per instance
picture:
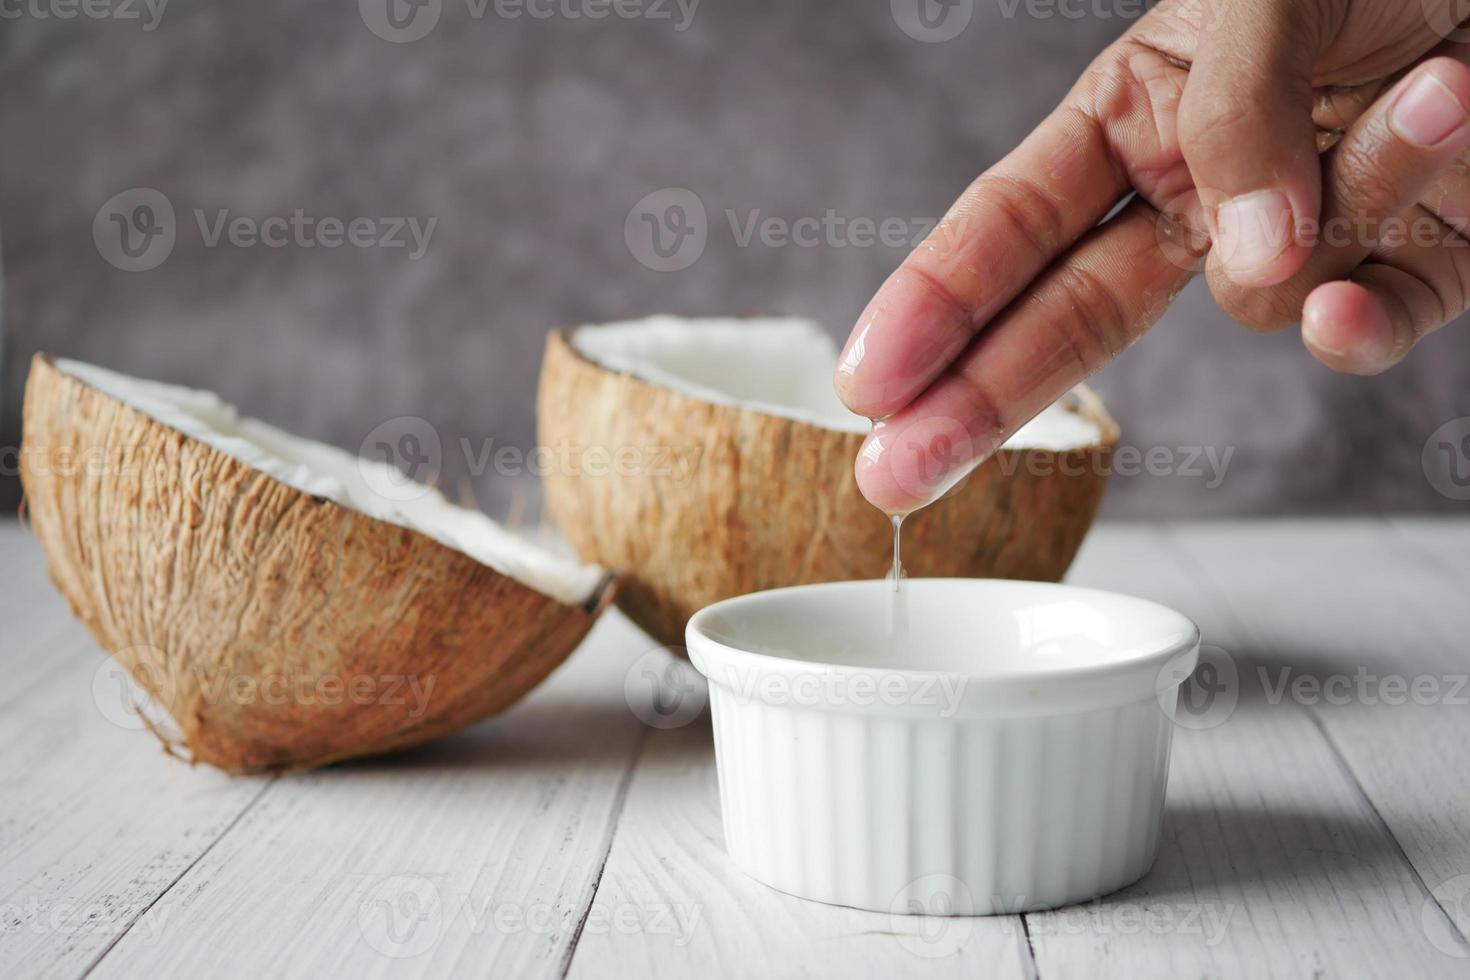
column 1245, row 126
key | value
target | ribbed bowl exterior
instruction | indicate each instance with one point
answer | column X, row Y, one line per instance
column 958, row 815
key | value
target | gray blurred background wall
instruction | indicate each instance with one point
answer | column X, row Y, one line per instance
column 529, row 139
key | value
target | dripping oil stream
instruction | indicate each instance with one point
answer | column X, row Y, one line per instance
column 898, row 606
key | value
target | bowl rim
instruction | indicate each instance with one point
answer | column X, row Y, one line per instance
column 1146, row 670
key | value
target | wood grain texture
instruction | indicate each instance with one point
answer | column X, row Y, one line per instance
column 474, row 856
column 95, row 821
column 721, row 501
column 1274, row 861
column 690, row 913
column 564, row 839
column 1360, row 628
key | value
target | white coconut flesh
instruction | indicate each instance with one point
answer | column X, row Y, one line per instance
column 779, row 366
column 326, row 471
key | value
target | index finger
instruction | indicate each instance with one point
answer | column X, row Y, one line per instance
column 1006, row 228
column 1077, row 316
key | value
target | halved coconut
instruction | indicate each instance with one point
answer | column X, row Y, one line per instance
column 710, row 458
column 258, row 588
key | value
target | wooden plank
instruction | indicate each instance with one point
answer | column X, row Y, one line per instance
column 1273, row 861
column 36, row 629
column 22, row 568
column 476, row 855
column 1443, row 543
column 95, row 822
column 671, row 904
column 1366, row 629
column 1296, row 838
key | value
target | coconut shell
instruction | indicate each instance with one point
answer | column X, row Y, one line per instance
column 770, row 501
column 279, row 630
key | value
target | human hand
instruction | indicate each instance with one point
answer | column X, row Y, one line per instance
column 1215, row 113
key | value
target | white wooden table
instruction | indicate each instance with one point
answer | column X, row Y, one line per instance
column 1322, row 828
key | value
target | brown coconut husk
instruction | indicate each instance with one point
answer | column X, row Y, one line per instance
column 279, row 630
column 773, row 501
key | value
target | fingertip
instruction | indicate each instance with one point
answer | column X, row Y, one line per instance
column 1347, row 328
column 1255, row 239
column 862, row 396
column 1452, row 73
column 1429, row 109
column 878, row 483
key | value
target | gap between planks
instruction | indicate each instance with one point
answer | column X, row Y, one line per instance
column 620, row 802
column 112, row 944
column 1225, row 608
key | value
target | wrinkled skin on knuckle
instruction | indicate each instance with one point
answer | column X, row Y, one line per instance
column 1269, row 310
column 1211, row 119
column 1090, row 322
column 1131, row 95
column 1360, row 183
column 1031, row 215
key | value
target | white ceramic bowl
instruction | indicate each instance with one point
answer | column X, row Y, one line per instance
column 1008, row 753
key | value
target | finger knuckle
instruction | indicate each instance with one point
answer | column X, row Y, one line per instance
column 1031, row 213
column 1213, row 120
column 1096, row 327
column 1260, row 310
column 1360, row 182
